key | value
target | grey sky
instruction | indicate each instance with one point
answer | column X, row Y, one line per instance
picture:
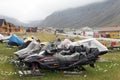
column 28, row 10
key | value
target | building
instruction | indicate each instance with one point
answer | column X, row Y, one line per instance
column 46, row 29
column 87, row 31
column 9, row 28
column 110, row 32
column 31, row 29
column 6, row 27
column 3, row 26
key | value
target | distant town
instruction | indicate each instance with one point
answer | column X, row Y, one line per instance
column 104, row 32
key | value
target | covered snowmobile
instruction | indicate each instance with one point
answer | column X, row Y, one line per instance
column 92, row 43
column 15, row 40
column 58, row 61
column 84, row 52
column 4, row 38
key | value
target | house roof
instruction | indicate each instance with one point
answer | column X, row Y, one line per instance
column 110, row 29
column 1, row 21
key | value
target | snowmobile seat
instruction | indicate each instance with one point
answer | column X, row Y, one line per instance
column 65, row 52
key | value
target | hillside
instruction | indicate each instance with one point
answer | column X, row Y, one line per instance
column 19, row 23
column 101, row 14
column 12, row 20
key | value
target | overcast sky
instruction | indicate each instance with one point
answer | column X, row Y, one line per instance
column 29, row 10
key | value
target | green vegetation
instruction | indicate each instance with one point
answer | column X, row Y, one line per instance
column 43, row 36
column 103, row 70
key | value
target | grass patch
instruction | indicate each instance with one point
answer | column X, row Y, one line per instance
column 43, row 36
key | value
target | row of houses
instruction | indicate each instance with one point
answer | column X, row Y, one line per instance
column 8, row 28
column 105, row 32
column 110, row 32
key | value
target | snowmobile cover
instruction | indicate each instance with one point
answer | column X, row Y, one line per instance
column 91, row 43
column 24, row 45
column 3, row 38
column 15, row 39
column 65, row 43
column 33, row 46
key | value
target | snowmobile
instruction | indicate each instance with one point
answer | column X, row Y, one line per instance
column 48, row 49
column 63, row 60
column 14, row 40
column 92, row 43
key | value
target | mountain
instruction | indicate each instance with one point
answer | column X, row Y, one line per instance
column 35, row 23
column 12, row 20
column 19, row 23
column 106, row 13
